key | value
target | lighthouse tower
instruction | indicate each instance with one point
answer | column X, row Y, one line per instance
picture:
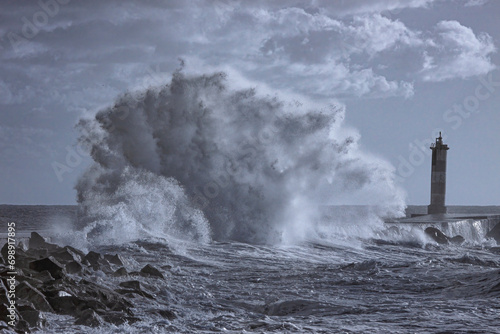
column 438, row 177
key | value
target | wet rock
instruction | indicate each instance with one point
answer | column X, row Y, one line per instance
column 133, row 287
column 494, row 233
column 120, row 272
column 436, row 235
column 96, row 261
column 4, row 251
column 76, row 251
column 22, row 326
column 50, row 264
column 37, row 242
column 149, row 270
column 114, row 259
column 70, row 305
column 73, row 267
column 44, row 276
column 136, row 285
column 131, row 292
column 33, row 281
column 22, row 246
column 26, row 291
column 31, row 316
column 23, row 258
column 5, row 329
column 170, row 315
column 89, row 318
column 118, row 318
column 108, row 297
column 458, row 240
column 66, row 255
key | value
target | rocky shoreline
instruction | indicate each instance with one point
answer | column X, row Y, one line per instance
column 60, row 280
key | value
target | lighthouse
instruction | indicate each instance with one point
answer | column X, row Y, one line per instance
column 438, row 177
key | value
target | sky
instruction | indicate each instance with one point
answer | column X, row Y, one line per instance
column 404, row 70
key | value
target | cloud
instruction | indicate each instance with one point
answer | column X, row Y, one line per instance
column 375, row 33
column 456, row 52
column 344, row 8
column 17, row 143
column 473, row 3
column 5, row 93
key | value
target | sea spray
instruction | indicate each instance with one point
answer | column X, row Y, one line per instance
column 197, row 159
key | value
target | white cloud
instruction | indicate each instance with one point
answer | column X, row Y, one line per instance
column 456, row 52
column 473, row 3
column 376, row 33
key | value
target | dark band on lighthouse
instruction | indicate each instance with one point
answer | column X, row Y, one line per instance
column 438, row 177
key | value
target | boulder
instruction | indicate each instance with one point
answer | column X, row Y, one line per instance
column 494, row 233
column 167, row 314
column 4, row 328
column 66, row 255
column 458, row 240
column 436, row 235
column 89, row 318
column 70, row 305
column 37, row 242
column 73, row 267
column 120, row 272
column 44, row 276
column 95, row 260
column 22, row 326
column 4, row 251
column 76, row 251
column 31, row 316
column 114, row 259
column 135, row 285
column 50, row 264
column 149, row 270
column 25, row 291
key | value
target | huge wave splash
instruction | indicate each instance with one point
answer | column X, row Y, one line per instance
column 197, row 159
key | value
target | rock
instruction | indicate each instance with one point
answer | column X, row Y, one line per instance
column 436, row 235
column 494, row 233
column 31, row 316
column 26, row 291
column 458, row 240
column 50, row 264
column 120, row 272
column 70, row 305
column 76, row 251
column 33, row 281
column 37, row 242
column 95, row 260
column 116, row 318
column 4, row 251
column 22, row 326
column 167, row 314
column 21, row 245
column 66, row 255
column 73, row 267
column 135, row 285
column 44, row 276
column 151, row 271
column 4, row 299
column 4, row 328
column 89, row 318
column 23, row 258
column 114, row 259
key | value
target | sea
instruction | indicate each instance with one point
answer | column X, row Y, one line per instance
column 387, row 282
